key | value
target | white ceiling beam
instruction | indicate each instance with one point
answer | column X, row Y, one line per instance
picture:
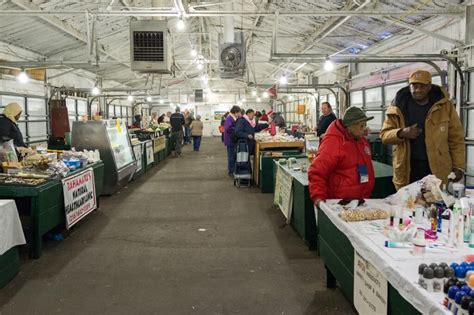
column 59, row 24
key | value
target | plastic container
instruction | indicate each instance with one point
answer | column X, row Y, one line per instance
column 438, row 279
column 428, row 275
column 419, row 243
column 465, row 305
column 457, row 301
column 421, row 280
column 451, row 296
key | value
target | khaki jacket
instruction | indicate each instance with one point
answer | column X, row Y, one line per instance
column 196, row 128
column 444, row 137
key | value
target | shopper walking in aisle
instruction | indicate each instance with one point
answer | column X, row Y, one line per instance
column 426, row 132
column 221, row 127
column 343, row 165
column 264, row 116
column 196, row 132
column 188, row 118
column 246, row 127
column 177, row 122
column 229, row 126
column 327, row 117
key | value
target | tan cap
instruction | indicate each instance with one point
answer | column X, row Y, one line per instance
column 420, row 76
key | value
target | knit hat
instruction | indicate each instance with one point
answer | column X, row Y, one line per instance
column 420, row 76
column 354, row 115
column 11, row 111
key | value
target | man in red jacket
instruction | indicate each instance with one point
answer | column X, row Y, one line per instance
column 343, row 167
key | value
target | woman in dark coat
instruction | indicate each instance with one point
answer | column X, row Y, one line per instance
column 246, row 127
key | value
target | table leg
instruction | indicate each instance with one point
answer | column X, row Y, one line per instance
column 330, row 279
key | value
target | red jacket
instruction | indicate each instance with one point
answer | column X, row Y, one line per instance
column 334, row 172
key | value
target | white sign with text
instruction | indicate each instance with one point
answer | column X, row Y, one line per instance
column 370, row 288
column 79, row 196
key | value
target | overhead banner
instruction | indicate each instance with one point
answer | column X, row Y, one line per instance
column 79, row 196
column 370, row 288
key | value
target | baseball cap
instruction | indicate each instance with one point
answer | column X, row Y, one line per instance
column 420, row 76
column 354, row 115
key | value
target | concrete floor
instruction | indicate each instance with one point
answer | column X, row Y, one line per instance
column 143, row 252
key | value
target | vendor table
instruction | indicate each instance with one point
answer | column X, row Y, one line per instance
column 266, row 176
column 41, row 207
column 159, row 149
column 338, row 240
column 11, row 235
column 302, row 218
column 265, row 146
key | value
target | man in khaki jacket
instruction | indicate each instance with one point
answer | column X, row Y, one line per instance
column 426, row 132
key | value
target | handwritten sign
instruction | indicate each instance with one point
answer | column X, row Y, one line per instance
column 137, row 150
column 370, row 288
column 150, row 158
column 284, row 192
column 79, row 196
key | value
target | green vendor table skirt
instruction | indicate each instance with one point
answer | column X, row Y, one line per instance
column 9, row 266
column 337, row 253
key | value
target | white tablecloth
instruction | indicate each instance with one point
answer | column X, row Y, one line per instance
column 11, row 233
column 398, row 265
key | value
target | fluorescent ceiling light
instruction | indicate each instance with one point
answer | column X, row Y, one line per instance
column 328, row 65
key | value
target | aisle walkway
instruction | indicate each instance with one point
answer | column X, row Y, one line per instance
column 180, row 240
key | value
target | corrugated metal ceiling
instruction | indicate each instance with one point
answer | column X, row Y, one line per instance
column 295, row 32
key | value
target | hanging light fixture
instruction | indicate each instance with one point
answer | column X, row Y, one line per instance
column 23, row 77
column 283, row 80
column 130, row 98
column 244, row 100
column 193, row 52
column 149, row 99
column 265, row 94
column 95, row 91
column 328, row 65
column 180, row 25
column 254, row 93
column 259, row 99
column 162, row 101
column 290, row 97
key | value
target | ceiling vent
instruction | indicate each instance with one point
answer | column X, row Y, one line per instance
column 150, row 47
column 232, row 59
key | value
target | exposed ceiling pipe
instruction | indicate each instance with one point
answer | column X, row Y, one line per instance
column 229, row 36
column 319, row 36
column 424, row 31
column 171, row 12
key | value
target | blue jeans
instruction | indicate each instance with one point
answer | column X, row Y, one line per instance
column 231, row 159
column 196, row 142
column 187, row 135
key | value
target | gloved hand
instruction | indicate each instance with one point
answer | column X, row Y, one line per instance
column 318, row 201
column 459, row 174
column 411, row 132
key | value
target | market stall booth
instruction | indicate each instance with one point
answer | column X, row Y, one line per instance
column 411, row 253
column 292, row 194
column 111, row 139
column 41, row 203
column 287, row 145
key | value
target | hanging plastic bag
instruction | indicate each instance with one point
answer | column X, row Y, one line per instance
column 8, row 152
